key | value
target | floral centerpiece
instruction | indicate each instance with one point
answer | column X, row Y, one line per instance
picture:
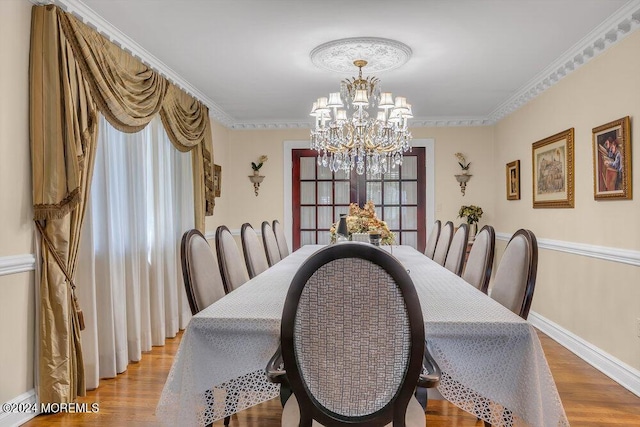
column 472, row 213
column 365, row 220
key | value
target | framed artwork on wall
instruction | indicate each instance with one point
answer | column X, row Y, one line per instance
column 217, row 180
column 513, row 180
column 553, row 171
column 612, row 160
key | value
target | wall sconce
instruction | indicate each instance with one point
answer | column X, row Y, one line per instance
column 462, row 179
column 256, row 179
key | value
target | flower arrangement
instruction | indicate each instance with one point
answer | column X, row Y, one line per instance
column 365, row 220
column 261, row 161
column 472, row 213
column 462, row 161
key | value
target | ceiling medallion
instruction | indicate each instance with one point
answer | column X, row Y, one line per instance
column 361, row 127
column 381, row 54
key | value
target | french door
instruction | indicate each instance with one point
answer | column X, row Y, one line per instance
column 320, row 196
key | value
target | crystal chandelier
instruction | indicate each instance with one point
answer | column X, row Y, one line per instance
column 360, row 125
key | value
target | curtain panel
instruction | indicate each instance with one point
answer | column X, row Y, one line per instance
column 74, row 73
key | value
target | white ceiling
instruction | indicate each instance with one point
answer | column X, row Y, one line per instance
column 473, row 60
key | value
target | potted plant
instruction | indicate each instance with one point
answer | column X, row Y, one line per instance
column 472, row 214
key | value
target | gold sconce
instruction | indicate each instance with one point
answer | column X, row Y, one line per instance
column 462, row 179
column 256, row 179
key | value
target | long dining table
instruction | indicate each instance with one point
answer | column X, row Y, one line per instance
column 492, row 362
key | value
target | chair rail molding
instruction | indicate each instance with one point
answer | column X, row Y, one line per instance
column 625, row 375
column 19, row 417
column 624, row 256
column 17, row 264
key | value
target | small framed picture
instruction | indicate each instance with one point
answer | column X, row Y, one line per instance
column 217, row 180
column 513, row 180
column 553, row 171
column 612, row 160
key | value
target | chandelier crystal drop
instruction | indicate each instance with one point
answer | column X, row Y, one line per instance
column 361, row 122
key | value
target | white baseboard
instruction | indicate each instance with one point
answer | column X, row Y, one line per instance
column 17, row 264
column 12, row 419
column 625, row 375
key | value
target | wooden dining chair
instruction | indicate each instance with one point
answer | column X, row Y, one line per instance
column 477, row 271
column 515, row 278
column 457, row 250
column 232, row 266
column 270, row 244
column 200, row 272
column 432, row 240
column 254, row 255
column 202, row 280
column 281, row 239
column 444, row 242
column 352, row 310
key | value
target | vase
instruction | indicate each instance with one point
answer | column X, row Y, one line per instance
column 342, row 226
column 473, row 229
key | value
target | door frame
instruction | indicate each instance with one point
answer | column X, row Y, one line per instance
column 430, row 175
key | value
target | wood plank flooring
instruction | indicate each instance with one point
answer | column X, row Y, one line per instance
column 590, row 398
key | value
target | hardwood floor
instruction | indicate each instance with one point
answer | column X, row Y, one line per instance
column 590, row 398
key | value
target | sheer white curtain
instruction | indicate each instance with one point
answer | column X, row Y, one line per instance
column 129, row 277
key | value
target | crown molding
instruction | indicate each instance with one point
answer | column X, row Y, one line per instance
column 114, row 35
column 622, row 23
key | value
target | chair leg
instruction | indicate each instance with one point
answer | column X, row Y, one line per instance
column 421, row 397
column 285, row 393
column 227, row 420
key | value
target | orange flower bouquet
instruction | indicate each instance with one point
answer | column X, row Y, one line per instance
column 365, row 220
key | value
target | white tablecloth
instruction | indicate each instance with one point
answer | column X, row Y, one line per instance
column 491, row 359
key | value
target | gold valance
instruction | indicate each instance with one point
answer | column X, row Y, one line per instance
column 75, row 74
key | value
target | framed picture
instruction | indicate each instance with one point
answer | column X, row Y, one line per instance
column 553, row 177
column 513, row 180
column 217, row 180
column 612, row 160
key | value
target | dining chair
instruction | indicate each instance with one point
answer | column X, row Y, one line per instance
column 202, row 280
column 515, row 278
column 444, row 242
column 232, row 267
column 281, row 239
column 432, row 240
column 457, row 250
column 254, row 255
column 352, row 340
column 200, row 272
column 270, row 243
column 477, row 271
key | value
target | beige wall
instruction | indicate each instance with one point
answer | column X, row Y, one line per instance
column 246, row 146
column 16, row 290
column 597, row 300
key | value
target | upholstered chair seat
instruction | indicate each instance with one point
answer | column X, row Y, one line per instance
column 432, row 240
column 444, row 242
column 457, row 250
column 254, row 254
column 280, row 237
column 232, row 266
column 270, row 243
column 477, row 271
column 515, row 278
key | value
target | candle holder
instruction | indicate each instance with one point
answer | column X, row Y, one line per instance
column 256, row 179
column 463, row 179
